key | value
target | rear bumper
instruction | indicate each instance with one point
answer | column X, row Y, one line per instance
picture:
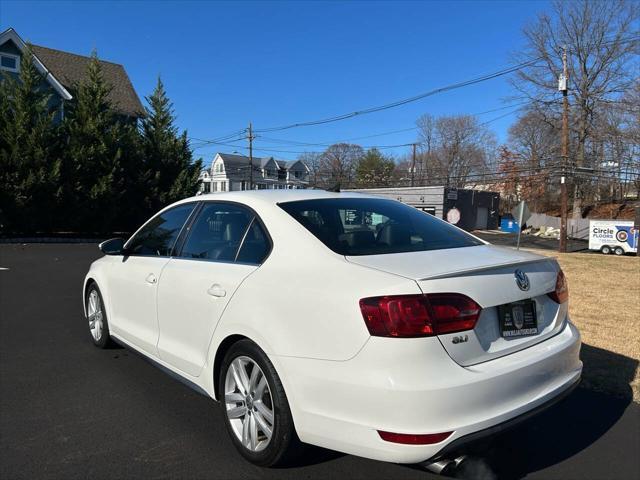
column 460, row 443
column 412, row 386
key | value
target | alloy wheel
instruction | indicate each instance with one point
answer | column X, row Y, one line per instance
column 95, row 316
column 249, row 406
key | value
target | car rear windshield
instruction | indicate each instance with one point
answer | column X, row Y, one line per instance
column 371, row 226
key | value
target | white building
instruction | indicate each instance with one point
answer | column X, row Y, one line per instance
column 230, row 172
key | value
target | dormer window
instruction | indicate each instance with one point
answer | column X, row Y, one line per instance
column 10, row 63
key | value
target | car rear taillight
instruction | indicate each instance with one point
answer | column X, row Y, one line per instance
column 410, row 439
column 561, row 293
column 419, row 315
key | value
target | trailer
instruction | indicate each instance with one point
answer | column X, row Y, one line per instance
column 613, row 236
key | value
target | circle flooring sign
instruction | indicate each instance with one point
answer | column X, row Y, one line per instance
column 453, row 216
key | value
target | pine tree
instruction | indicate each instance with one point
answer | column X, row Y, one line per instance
column 98, row 146
column 374, row 169
column 29, row 162
column 168, row 158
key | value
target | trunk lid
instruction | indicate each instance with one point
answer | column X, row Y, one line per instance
column 487, row 275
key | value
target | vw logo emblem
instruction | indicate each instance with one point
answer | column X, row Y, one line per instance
column 522, row 280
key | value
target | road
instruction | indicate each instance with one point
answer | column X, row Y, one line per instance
column 69, row 410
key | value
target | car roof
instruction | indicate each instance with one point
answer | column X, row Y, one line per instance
column 274, row 197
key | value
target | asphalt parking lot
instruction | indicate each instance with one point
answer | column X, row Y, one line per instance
column 69, row 410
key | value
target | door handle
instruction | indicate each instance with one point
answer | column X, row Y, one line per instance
column 216, row 291
column 151, row 279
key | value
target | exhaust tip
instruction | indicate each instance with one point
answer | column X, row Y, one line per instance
column 446, row 467
column 441, row 467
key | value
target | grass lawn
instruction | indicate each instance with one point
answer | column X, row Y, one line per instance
column 604, row 303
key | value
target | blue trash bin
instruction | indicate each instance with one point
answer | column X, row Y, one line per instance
column 508, row 224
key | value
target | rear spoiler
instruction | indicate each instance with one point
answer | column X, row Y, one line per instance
column 455, row 273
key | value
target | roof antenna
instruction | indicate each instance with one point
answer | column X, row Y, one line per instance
column 335, row 188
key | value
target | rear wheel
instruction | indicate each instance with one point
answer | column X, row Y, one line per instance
column 606, row 250
column 97, row 317
column 255, row 406
column 618, row 251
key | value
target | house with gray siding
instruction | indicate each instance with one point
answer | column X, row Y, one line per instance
column 230, row 172
column 63, row 71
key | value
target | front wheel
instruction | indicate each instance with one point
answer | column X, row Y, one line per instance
column 618, row 251
column 97, row 317
column 255, row 406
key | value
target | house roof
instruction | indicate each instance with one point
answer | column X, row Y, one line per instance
column 230, row 158
column 70, row 68
column 63, row 69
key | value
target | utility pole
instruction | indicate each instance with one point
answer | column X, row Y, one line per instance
column 563, row 86
column 250, row 137
column 413, row 164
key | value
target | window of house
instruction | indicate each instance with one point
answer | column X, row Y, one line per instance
column 429, row 210
column 9, row 62
column 158, row 235
column 214, row 186
column 223, row 186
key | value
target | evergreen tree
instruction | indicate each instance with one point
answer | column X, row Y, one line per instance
column 29, row 162
column 171, row 171
column 374, row 169
column 99, row 146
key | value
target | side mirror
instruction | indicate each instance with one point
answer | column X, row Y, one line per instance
column 114, row 246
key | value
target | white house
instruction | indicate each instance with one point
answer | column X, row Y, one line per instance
column 230, row 172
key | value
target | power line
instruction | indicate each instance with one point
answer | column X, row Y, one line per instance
column 402, row 130
column 490, row 76
column 302, row 144
column 454, row 86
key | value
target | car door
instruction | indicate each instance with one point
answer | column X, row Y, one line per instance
column 225, row 244
column 133, row 280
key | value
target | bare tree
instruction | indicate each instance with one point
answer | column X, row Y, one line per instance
column 630, row 107
column 453, row 148
column 313, row 161
column 337, row 164
column 533, row 143
column 601, row 42
column 426, row 139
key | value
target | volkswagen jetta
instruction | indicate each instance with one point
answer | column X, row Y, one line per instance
column 347, row 321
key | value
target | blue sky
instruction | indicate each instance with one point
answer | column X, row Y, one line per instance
column 273, row 63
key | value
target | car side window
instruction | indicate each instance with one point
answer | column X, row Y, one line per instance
column 158, row 235
column 256, row 245
column 217, row 232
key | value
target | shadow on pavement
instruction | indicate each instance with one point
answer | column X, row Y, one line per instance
column 565, row 429
column 311, row 455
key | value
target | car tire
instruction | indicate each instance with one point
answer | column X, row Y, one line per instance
column 254, row 402
column 606, row 250
column 96, row 317
column 618, row 251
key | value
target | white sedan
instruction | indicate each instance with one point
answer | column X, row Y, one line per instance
column 342, row 320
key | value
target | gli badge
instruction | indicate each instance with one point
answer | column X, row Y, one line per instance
column 522, row 280
column 460, row 339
